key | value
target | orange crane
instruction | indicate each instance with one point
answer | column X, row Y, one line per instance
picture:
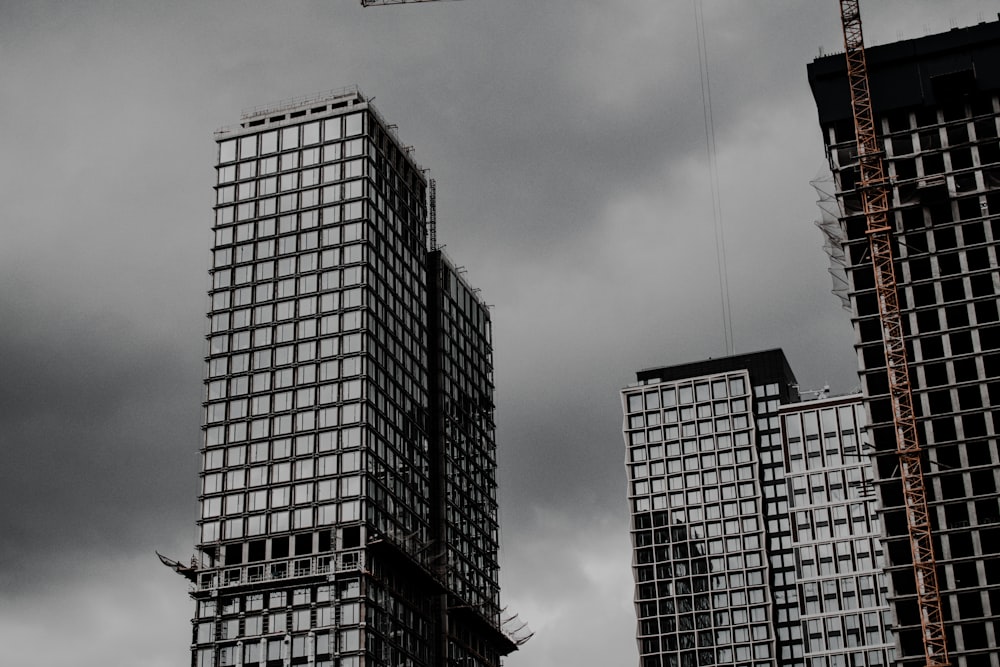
column 874, row 195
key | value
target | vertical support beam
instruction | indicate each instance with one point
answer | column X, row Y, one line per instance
column 432, row 214
column 874, row 195
column 436, row 285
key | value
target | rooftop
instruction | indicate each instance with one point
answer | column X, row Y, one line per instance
column 913, row 72
column 768, row 364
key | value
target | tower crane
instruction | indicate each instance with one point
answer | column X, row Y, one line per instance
column 874, row 197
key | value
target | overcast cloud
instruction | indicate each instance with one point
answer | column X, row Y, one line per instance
column 568, row 145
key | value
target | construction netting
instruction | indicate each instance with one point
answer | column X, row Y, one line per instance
column 834, row 234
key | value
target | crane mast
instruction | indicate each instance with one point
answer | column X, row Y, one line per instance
column 874, row 196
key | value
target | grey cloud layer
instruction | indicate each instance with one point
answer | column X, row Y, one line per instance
column 568, row 145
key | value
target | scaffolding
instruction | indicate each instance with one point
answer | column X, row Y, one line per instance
column 834, row 235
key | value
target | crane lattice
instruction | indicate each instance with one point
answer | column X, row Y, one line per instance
column 874, row 196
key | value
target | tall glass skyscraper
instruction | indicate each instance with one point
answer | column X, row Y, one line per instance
column 348, row 485
column 737, row 499
column 712, row 555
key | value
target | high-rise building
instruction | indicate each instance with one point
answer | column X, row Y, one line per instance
column 744, row 508
column 843, row 611
column 712, row 560
column 348, row 485
column 936, row 107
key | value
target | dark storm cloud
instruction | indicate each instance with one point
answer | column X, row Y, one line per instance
column 567, row 138
column 98, row 429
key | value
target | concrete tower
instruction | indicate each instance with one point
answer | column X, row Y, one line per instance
column 348, row 485
column 936, row 105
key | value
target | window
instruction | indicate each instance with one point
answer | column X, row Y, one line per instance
column 257, row 500
column 310, row 156
column 213, row 483
column 210, row 531
column 350, row 486
column 350, row 613
column 332, row 130
column 300, row 619
column 227, row 150
column 206, row 632
column 248, row 146
column 304, row 469
column 211, row 507
column 289, row 139
column 234, row 504
column 276, row 620
column 353, row 125
column 350, row 511
column 303, row 494
column 206, row 657
column 310, row 133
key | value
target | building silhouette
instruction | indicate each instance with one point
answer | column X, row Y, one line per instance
column 743, row 520
column 936, row 105
column 348, row 485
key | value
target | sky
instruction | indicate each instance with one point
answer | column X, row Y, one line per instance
column 568, row 142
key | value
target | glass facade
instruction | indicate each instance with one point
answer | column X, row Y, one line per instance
column 755, row 538
column 327, row 449
column 937, row 106
column 712, row 554
column 768, row 398
column 463, row 430
column 843, row 610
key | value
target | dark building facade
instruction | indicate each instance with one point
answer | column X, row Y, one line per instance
column 464, row 496
column 348, row 485
column 936, row 105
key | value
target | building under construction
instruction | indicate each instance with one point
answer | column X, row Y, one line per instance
column 936, row 108
column 348, row 485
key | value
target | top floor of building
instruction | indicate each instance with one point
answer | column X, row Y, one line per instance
column 934, row 70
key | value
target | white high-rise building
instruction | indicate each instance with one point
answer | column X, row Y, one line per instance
column 744, row 505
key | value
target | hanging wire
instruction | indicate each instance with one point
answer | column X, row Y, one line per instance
column 713, row 171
